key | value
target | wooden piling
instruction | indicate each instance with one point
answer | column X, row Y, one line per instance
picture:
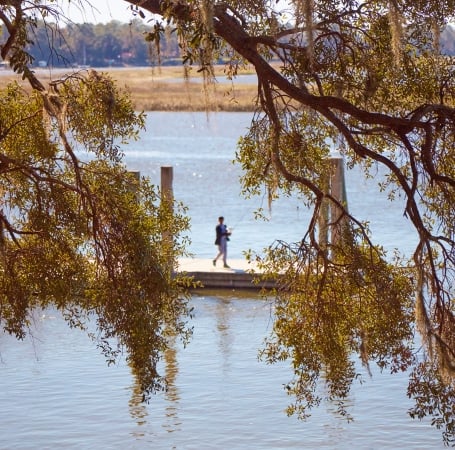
column 330, row 217
column 338, row 191
column 167, row 178
column 167, row 201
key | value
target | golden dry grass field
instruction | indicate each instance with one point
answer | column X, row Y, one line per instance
column 166, row 89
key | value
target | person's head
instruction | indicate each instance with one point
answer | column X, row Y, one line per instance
column 221, row 219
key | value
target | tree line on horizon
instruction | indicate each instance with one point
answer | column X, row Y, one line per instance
column 113, row 44
column 119, row 44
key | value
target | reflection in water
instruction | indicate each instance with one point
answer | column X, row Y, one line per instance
column 62, row 394
column 172, row 397
column 138, row 409
column 223, row 312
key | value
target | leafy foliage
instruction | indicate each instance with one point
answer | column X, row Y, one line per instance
column 370, row 80
column 77, row 230
column 329, row 309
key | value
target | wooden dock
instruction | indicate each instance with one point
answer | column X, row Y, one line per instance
column 240, row 275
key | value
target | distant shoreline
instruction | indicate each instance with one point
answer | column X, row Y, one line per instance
column 159, row 89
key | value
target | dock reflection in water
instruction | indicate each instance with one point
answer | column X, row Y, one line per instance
column 57, row 392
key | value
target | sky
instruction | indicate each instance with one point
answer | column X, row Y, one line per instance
column 103, row 11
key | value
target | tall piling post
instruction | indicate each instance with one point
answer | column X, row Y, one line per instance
column 167, row 202
column 330, row 218
column 323, row 219
column 338, row 192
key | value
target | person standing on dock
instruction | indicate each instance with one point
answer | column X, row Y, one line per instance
column 222, row 237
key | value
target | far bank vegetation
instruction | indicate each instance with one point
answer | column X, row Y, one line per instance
column 167, row 89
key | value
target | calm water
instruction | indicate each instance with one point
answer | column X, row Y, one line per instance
column 56, row 391
column 201, row 151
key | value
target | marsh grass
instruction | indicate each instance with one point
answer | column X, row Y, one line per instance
column 166, row 89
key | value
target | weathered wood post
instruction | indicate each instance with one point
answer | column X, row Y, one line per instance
column 338, row 191
column 167, row 201
column 330, row 218
column 323, row 221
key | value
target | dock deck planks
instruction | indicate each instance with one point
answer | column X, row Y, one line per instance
column 240, row 275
